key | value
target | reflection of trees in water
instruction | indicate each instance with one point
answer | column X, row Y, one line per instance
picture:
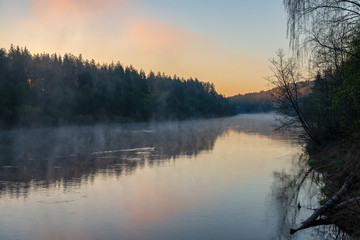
column 70, row 155
column 300, row 187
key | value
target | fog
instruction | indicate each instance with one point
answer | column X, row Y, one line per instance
column 46, row 155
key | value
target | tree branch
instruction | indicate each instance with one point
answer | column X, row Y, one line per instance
column 329, row 204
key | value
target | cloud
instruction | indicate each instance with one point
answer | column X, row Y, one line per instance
column 127, row 31
column 65, row 10
column 150, row 36
column 122, row 23
column 63, row 25
column 154, row 37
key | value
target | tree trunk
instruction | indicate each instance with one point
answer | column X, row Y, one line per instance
column 310, row 222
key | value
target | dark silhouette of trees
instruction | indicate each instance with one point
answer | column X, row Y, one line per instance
column 43, row 89
column 325, row 27
column 288, row 99
column 328, row 32
column 255, row 102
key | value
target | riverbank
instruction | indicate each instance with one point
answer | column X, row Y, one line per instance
column 339, row 163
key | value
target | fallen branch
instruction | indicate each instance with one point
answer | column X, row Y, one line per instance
column 335, row 199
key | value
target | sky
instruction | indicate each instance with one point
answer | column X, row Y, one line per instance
column 225, row 42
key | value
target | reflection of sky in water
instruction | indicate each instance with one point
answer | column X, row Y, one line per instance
column 196, row 180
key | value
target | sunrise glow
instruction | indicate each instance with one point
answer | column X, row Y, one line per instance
column 226, row 45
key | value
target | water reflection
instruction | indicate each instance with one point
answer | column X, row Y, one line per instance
column 296, row 194
column 68, row 154
column 206, row 179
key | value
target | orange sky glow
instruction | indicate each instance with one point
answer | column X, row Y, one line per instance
column 136, row 33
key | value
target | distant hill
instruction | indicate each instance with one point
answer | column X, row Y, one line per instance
column 262, row 101
column 252, row 102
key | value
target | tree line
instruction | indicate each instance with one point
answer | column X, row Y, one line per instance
column 47, row 90
column 265, row 101
column 329, row 33
column 325, row 34
column 255, row 102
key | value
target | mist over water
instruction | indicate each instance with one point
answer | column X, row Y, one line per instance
column 201, row 179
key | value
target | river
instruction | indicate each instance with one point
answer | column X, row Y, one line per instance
column 228, row 178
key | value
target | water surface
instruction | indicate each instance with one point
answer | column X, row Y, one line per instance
column 230, row 178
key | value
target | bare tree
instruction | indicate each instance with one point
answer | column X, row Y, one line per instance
column 327, row 32
column 325, row 27
column 286, row 78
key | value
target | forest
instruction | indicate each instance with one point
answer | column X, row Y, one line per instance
column 49, row 90
column 325, row 35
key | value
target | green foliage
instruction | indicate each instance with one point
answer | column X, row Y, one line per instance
column 45, row 89
column 333, row 108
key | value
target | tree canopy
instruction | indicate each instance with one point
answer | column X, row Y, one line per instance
column 328, row 31
column 323, row 30
column 44, row 89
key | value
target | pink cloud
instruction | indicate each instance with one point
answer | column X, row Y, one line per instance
column 126, row 31
column 67, row 10
column 151, row 36
column 120, row 22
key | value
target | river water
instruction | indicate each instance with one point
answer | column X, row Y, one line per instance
column 229, row 178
